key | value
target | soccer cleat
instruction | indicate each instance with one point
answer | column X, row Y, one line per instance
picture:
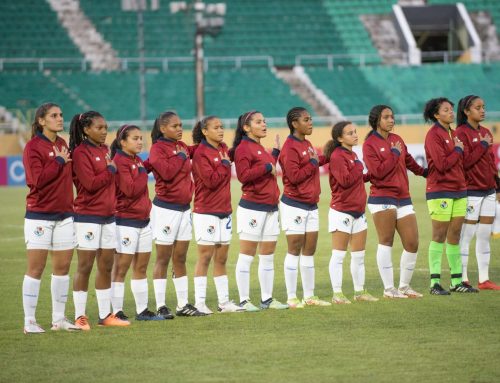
column 164, row 311
column 437, row 289
column 148, row 315
column 113, row 320
column 229, row 307
column 295, row 303
column 272, row 303
column 249, row 306
column 463, row 287
column 394, row 293
column 340, row 299
column 364, row 296
column 64, row 324
column 189, row 311
column 315, row 301
column 202, row 307
column 121, row 315
column 488, row 285
column 409, row 292
column 33, row 328
column 83, row 323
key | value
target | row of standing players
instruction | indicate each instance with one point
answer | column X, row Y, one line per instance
column 109, row 221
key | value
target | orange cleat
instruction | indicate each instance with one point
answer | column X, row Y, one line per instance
column 82, row 322
column 113, row 320
column 488, row 285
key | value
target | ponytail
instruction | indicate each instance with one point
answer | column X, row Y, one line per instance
column 199, row 126
column 374, row 117
column 337, row 131
column 121, row 134
column 41, row 112
column 243, row 120
column 76, row 128
column 159, row 122
column 463, row 105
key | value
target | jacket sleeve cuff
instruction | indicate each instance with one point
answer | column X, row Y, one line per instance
column 269, row 167
column 275, row 153
column 112, row 169
column 425, row 173
column 395, row 151
column 142, row 170
column 226, row 163
column 182, row 155
column 60, row 160
column 314, row 162
column 485, row 144
column 458, row 149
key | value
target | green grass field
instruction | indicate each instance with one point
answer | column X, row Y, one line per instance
column 435, row 339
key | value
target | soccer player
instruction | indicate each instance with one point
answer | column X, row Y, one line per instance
column 346, row 217
column 387, row 160
column 48, row 223
column 95, row 206
column 257, row 213
column 171, row 214
column 482, row 180
column 446, row 194
column 212, row 212
column 299, row 206
column 133, row 230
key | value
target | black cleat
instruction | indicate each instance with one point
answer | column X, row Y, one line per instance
column 437, row 289
column 463, row 287
column 148, row 315
column 189, row 311
column 164, row 312
column 121, row 315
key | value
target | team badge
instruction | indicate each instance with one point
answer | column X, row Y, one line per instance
column 126, row 241
column 216, row 159
column 382, row 149
column 447, row 141
column 89, row 236
column 444, row 205
column 346, row 221
column 167, row 230
column 474, row 139
column 97, row 159
column 253, row 223
column 470, row 209
column 298, row 220
column 259, row 152
column 211, row 229
column 39, row 231
column 304, row 153
column 385, row 207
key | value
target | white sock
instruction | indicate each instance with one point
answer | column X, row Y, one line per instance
column 291, row 267
column 103, row 302
column 406, row 267
column 307, row 274
column 358, row 270
column 139, row 289
column 266, row 276
column 117, row 296
column 222, row 287
column 59, row 287
column 468, row 231
column 80, row 302
column 483, row 251
column 160, row 287
column 384, row 262
column 495, row 228
column 181, row 290
column 335, row 267
column 243, row 276
column 31, row 290
column 200, row 290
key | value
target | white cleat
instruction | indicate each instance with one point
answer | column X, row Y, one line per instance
column 202, row 308
column 33, row 328
column 409, row 292
column 230, row 307
column 65, row 325
column 394, row 293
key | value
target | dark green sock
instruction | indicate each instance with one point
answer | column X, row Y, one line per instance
column 435, row 256
column 455, row 262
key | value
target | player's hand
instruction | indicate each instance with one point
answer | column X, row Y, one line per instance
column 224, row 156
column 397, row 146
column 277, row 144
column 273, row 170
column 313, row 154
column 458, row 143
column 63, row 153
column 109, row 161
column 180, row 149
column 486, row 138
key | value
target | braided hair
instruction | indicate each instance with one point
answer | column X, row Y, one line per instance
column 77, row 127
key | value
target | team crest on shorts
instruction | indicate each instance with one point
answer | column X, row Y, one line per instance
column 211, row 229
column 89, row 236
column 39, row 231
column 470, row 209
column 298, row 220
column 253, row 223
column 346, row 221
column 444, row 205
column 167, row 230
column 385, row 207
column 126, row 241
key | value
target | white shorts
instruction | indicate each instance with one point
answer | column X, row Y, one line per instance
column 295, row 220
column 131, row 240
column 49, row 235
column 93, row 236
column 480, row 207
column 257, row 226
column 211, row 230
column 346, row 223
column 401, row 211
column 171, row 225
